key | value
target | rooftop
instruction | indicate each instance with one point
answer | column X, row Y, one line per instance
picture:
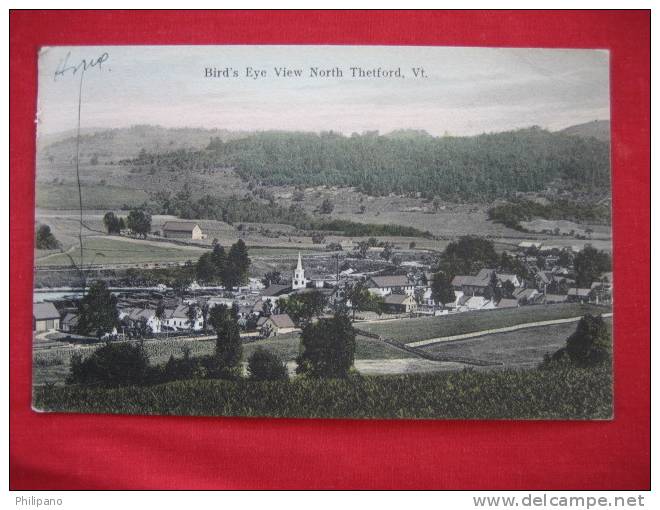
column 45, row 311
column 180, row 226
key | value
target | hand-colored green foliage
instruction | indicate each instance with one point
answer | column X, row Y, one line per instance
column 328, row 348
column 97, row 311
column 266, row 366
column 45, row 240
column 564, row 393
column 113, row 365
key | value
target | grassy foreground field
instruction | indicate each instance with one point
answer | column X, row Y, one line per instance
column 567, row 393
column 519, row 349
column 411, row 330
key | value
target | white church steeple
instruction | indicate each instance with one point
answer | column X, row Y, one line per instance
column 299, row 281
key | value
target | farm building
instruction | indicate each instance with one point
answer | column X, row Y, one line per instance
column 276, row 325
column 182, row 230
column 384, row 285
column 69, row 323
column 400, row 303
column 44, row 317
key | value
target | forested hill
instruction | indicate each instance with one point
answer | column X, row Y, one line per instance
column 458, row 168
column 599, row 129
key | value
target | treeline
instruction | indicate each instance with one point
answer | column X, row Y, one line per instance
column 454, row 168
column 247, row 209
column 514, row 212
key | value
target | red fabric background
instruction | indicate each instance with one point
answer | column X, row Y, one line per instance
column 59, row 451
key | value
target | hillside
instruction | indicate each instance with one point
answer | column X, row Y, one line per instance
column 460, row 169
column 122, row 143
column 598, row 129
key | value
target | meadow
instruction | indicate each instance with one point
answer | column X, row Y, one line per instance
column 564, row 393
column 115, row 250
column 519, row 349
column 423, row 328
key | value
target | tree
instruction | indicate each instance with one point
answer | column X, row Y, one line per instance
column 387, row 252
column 97, row 311
column 238, row 264
column 191, row 314
column 326, row 206
column 139, row 222
column 45, row 240
column 263, row 365
column 205, row 269
column 419, row 295
column 113, row 365
column 298, row 195
column 442, row 290
column 589, row 345
column 589, row 264
column 267, row 308
column 468, row 255
column 302, row 308
column 362, row 249
column 228, row 347
column 363, row 300
column 122, row 224
column 327, row 348
column 507, row 289
column 272, row 278
column 318, row 238
column 111, row 223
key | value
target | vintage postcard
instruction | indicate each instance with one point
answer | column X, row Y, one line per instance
column 323, row 231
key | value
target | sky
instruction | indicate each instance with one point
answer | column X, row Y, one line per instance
column 464, row 91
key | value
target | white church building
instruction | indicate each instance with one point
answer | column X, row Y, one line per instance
column 298, row 281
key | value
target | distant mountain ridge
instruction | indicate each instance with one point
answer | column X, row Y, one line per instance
column 598, row 129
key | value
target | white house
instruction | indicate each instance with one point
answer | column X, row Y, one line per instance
column 385, row 285
column 136, row 315
column 177, row 318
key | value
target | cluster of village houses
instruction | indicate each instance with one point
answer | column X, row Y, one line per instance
column 403, row 294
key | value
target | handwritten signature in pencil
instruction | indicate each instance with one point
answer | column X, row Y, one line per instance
column 65, row 67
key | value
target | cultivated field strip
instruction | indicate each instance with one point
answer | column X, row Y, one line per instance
column 465, row 336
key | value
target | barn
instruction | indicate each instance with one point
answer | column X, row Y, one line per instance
column 44, row 317
column 182, row 230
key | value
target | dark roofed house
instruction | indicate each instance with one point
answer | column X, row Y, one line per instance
column 275, row 291
column 44, row 317
column 400, row 303
column 182, row 230
column 473, row 285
